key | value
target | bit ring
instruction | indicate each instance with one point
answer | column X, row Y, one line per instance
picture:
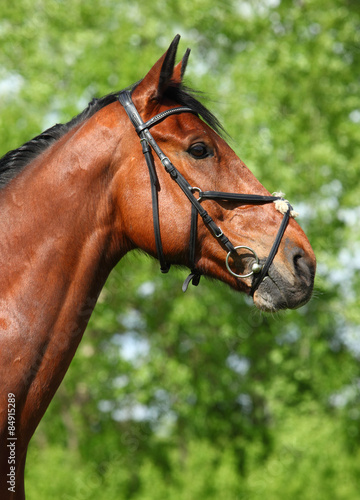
column 256, row 267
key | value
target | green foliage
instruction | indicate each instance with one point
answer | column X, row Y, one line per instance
column 306, row 463
column 199, row 395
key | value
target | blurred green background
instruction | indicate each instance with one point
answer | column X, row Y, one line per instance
column 199, row 396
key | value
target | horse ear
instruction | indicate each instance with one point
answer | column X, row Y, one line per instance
column 167, row 68
column 164, row 72
column 179, row 70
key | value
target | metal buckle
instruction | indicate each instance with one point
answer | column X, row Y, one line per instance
column 256, row 267
column 198, row 190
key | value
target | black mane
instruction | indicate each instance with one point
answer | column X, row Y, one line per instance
column 13, row 162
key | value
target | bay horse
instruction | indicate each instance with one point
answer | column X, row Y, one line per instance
column 75, row 199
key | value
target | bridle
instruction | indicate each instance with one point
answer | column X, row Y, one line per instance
column 258, row 271
column 147, row 142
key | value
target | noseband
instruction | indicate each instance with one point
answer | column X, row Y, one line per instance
column 258, row 271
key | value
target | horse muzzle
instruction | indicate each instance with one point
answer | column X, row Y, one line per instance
column 285, row 288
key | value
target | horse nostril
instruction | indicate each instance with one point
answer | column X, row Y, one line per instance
column 296, row 260
column 302, row 266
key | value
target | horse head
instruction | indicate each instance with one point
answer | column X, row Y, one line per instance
column 214, row 180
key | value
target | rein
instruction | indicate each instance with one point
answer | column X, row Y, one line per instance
column 259, row 271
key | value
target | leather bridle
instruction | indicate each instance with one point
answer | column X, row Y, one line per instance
column 259, row 271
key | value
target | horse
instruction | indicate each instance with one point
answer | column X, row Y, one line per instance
column 134, row 170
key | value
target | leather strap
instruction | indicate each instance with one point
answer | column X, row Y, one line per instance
column 259, row 278
column 161, row 116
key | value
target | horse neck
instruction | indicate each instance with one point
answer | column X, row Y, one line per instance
column 56, row 250
column 57, row 216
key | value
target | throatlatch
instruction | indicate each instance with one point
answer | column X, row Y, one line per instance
column 147, row 141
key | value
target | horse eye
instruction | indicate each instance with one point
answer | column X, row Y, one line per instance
column 199, row 150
